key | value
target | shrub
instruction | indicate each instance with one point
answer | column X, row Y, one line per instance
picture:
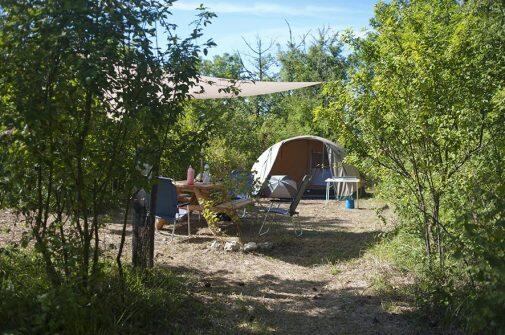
column 152, row 301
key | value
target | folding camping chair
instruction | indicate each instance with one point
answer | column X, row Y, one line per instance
column 167, row 206
column 290, row 212
column 245, row 182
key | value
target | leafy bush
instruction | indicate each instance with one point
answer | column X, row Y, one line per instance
column 152, row 301
column 445, row 295
column 422, row 112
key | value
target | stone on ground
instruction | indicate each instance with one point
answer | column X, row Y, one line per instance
column 231, row 246
column 265, row 245
column 215, row 245
column 251, row 246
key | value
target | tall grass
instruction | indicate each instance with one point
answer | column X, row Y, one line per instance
column 446, row 296
column 154, row 301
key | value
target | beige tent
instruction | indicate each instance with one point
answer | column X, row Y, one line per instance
column 301, row 155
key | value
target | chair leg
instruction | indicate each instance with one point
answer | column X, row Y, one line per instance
column 189, row 223
column 262, row 231
column 173, row 230
column 297, row 225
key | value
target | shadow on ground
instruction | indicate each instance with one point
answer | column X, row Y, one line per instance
column 323, row 241
column 272, row 305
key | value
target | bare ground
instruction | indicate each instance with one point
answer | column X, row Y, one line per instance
column 320, row 283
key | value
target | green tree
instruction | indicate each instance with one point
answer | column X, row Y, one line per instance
column 421, row 111
column 85, row 94
column 311, row 58
column 227, row 66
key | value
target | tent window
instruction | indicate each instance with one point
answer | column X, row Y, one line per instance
column 319, row 160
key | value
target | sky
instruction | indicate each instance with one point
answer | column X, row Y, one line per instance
column 241, row 19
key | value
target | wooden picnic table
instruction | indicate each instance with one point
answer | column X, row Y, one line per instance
column 196, row 191
column 203, row 191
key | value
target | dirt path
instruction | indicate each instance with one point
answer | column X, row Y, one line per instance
column 320, row 283
column 316, row 284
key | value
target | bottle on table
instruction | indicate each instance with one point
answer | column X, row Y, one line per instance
column 190, row 177
column 206, row 174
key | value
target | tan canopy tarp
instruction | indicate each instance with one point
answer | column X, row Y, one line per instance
column 219, row 88
column 213, row 88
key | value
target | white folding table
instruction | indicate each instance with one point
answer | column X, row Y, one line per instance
column 342, row 180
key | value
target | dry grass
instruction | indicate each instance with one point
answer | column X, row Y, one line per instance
column 320, row 283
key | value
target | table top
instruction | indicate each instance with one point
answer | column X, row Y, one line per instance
column 343, row 180
column 199, row 185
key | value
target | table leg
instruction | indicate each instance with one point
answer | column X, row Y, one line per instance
column 327, row 192
column 357, row 195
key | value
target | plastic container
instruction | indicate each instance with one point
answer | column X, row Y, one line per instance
column 190, row 177
column 206, row 174
column 349, row 203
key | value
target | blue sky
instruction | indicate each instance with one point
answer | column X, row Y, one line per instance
column 239, row 19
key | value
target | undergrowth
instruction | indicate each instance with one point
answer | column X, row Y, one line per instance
column 444, row 296
column 154, row 301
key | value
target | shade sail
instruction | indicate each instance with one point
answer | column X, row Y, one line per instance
column 204, row 87
column 220, row 88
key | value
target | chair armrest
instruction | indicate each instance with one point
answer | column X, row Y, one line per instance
column 183, row 204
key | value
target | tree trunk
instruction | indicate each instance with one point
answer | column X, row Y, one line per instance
column 436, row 210
column 144, row 206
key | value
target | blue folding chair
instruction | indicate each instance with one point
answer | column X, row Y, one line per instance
column 244, row 180
column 167, row 206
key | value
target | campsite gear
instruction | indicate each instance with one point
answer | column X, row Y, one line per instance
column 202, row 191
column 338, row 182
column 281, row 187
column 190, row 176
column 290, row 212
column 167, row 207
column 241, row 188
column 206, row 174
column 305, row 155
column 242, row 184
column 349, row 203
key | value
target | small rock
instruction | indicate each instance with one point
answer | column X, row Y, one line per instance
column 215, row 245
column 265, row 245
column 251, row 246
column 231, row 246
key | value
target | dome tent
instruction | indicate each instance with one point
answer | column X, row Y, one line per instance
column 305, row 155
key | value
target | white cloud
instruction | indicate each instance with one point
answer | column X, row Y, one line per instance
column 263, row 8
